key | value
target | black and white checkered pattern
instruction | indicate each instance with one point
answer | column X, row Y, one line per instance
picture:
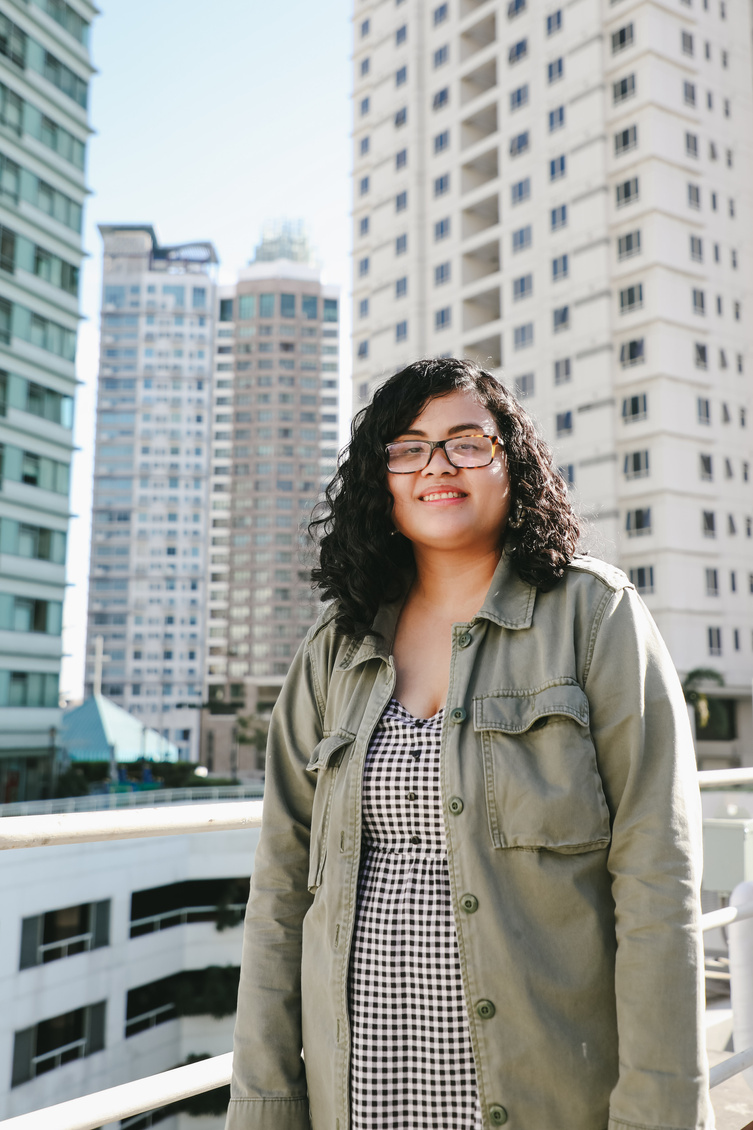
column 412, row 1065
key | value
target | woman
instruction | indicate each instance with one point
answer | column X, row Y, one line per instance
column 474, row 899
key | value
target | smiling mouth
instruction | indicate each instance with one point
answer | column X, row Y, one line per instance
column 441, row 495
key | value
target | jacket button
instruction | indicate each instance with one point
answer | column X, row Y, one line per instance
column 458, row 714
column 497, row 1115
column 469, row 903
column 465, row 639
column 485, row 1009
column 415, row 839
column 456, row 805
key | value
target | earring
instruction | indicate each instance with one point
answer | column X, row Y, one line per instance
column 517, row 518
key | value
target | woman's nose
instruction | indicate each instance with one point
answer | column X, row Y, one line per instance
column 444, row 465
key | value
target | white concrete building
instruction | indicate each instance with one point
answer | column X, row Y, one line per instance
column 97, row 946
column 147, row 585
column 564, row 193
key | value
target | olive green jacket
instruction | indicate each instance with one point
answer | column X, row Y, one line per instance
column 572, row 817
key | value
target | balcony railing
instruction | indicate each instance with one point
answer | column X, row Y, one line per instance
column 129, row 1099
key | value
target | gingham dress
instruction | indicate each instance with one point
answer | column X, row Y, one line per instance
column 412, row 1065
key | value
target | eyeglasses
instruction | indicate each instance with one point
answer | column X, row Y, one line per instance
column 410, row 455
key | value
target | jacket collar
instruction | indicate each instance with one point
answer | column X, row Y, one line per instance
column 508, row 603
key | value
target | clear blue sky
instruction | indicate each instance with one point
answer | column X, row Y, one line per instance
column 209, row 119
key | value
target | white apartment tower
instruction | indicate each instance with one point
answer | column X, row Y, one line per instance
column 274, row 447
column 563, row 192
column 147, row 586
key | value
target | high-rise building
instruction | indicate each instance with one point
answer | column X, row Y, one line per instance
column 44, row 75
column 275, row 416
column 563, row 192
column 147, row 587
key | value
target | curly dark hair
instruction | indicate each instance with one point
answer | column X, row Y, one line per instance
column 361, row 565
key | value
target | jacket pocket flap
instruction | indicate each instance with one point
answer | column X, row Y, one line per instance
column 514, row 712
column 324, row 752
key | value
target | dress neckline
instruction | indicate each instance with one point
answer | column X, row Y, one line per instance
column 394, row 702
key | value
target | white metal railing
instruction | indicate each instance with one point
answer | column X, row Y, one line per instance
column 148, row 1019
column 142, row 798
column 130, row 1099
column 65, row 946
column 168, row 918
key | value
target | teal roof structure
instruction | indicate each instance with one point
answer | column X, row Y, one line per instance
column 88, row 732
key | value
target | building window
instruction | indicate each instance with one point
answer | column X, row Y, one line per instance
column 625, row 139
column 623, row 88
column 557, row 167
column 560, row 268
column 62, row 1039
column 441, row 229
column 365, row 66
column 364, row 107
column 642, row 576
column 691, row 144
column 519, row 144
column 554, row 22
column 442, row 184
column 442, row 274
column 401, row 117
column 555, row 70
column 688, row 90
column 441, row 56
column 699, row 301
column 518, row 51
column 694, row 196
column 632, row 352
column 521, row 239
column 363, row 266
column 442, row 318
column 567, row 472
column 519, row 97
column 561, row 318
column 363, row 308
column 401, row 76
column 440, row 14
column 712, row 582
column 523, row 336
column 631, row 298
column 363, row 350
column 636, row 465
column 441, row 99
column 709, row 524
column 556, row 119
column 687, row 43
column 520, row 191
column 715, row 641
column 401, row 331
column 401, row 158
column 365, row 28
column 401, row 244
column 401, row 287
column 524, row 386
column 559, row 217
column 64, row 933
column 515, row 7
column 627, row 192
column 401, row 35
column 522, row 287
column 638, row 522
column 704, row 410
column 401, row 201
column 635, row 408
column 628, row 245
column 701, row 355
column 442, row 141
column 622, row 39
column 564, row 423
column 696, row 248
column 562, row 371
column 706, row 468
column 363, row 186
column 733, row 581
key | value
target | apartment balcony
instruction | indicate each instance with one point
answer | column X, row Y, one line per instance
column 478, row 36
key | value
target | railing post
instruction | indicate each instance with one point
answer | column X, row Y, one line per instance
column 740, row 934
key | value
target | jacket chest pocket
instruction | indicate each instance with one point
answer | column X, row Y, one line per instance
column 543, row 789
column 324, row 761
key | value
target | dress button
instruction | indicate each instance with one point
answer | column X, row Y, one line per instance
column 465, row 639
column 458, row 714
column 415, row 839
column 469, row 903
column 456, row 805
column 497, row 1115
column 485, row 1009
column 412, row 796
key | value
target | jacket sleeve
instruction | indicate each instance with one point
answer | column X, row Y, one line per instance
column 645, row 752
column 268, row 1088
